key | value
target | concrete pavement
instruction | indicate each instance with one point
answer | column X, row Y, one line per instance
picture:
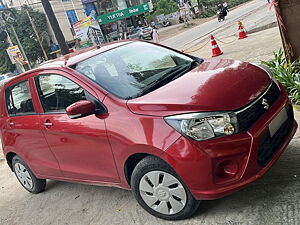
column 255, row 48
column 274, row 199
column 253, row 14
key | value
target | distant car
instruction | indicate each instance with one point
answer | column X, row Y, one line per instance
column 140, row 33
column 6, row 75
column 174, row 128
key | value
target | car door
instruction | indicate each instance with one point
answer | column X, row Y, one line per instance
column 21, row 130
column 80, row 145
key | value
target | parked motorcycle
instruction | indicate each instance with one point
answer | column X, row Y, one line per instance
column 166, row 23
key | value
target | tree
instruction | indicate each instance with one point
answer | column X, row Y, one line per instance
column 5, row 63
column 26, row 33
column 165, row 7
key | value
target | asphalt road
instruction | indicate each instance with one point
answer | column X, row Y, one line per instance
column 253, row 14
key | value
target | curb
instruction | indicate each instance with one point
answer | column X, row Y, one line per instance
column 264, row 27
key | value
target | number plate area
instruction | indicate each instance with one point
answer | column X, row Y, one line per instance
column 277, row 122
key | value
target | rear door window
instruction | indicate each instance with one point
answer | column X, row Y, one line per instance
column 19, row 100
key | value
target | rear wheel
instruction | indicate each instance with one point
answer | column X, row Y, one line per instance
column 25, row 176
column 160, row 191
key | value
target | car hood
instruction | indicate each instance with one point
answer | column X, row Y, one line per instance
column 215, row 85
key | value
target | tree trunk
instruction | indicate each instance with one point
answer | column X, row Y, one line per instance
column 288, row 18
column 55, row 27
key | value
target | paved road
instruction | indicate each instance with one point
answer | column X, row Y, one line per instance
column 253, row 14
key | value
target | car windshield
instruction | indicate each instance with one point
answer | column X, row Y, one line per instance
column 134, row 69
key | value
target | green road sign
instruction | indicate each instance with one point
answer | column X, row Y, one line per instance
column 124, row 13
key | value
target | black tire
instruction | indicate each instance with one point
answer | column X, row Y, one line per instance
column 154, row 164
column 38, row 185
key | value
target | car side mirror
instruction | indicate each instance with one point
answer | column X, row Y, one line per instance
column 81, row 109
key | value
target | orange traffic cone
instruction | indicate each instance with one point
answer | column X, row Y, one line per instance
column 215, row 48
column 242, row 32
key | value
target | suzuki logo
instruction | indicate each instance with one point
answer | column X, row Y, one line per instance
column 265, row 103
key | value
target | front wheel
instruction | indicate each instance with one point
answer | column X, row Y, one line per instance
column 26, row 177
column 160, row 191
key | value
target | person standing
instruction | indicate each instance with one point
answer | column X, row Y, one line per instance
column 155, row 35
column 152, row 23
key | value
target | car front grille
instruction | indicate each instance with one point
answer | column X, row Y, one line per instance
column 268, row 146
column 248, row 116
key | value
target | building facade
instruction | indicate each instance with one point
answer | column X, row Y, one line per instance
column 69, row 12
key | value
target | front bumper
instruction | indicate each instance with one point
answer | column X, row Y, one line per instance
column 198, row 163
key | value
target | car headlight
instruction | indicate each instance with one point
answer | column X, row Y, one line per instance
column 203, row 126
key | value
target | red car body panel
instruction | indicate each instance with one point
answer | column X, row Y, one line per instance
column 95, row 149
column 203, row 88
column 199, row 157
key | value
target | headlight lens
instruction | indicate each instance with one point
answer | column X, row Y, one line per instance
column 203, row 126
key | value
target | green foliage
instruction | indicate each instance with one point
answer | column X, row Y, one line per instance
column 27, row 37
column 5, row 63
column 165, row 7
column 287, row 73
column 211, row 6
column 26, row 33
column 162, row 7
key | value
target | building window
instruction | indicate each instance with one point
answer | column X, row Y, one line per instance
column 65, row 0
column 72, row 16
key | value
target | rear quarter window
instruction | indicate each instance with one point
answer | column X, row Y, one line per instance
column 18, row 99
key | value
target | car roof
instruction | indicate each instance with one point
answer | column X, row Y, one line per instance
column 2, row 82
column 71, row 58
column 80, row 55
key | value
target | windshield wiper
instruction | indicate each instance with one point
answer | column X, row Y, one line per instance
column 169, row 75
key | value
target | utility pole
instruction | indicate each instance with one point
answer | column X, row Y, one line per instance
column 20, row 45
column 132, row 18
column 7, row 16
column 37, row 35
column 55, row 27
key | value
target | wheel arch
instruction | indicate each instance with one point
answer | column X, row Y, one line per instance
column 131, row 163
column 9, row 157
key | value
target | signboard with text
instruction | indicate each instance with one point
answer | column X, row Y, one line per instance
column 15, row 55
column 124, row 13
column 88, row 32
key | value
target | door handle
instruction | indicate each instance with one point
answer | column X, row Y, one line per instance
column 11, row 123
column 48, row 123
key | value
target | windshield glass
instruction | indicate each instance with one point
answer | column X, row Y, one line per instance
column 128, row 70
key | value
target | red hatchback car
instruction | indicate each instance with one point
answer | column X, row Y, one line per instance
column 174, row 128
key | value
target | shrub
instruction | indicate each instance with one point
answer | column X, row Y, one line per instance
column 287, row 73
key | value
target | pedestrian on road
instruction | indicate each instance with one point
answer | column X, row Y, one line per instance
column 155, row 35
column 152, row 23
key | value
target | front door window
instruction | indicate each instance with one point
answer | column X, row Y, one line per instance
column 57, row 92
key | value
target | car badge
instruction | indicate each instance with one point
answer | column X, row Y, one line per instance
column 265, row 103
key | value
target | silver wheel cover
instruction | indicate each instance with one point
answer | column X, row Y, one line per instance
column 23, row 176
column 162, row 192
